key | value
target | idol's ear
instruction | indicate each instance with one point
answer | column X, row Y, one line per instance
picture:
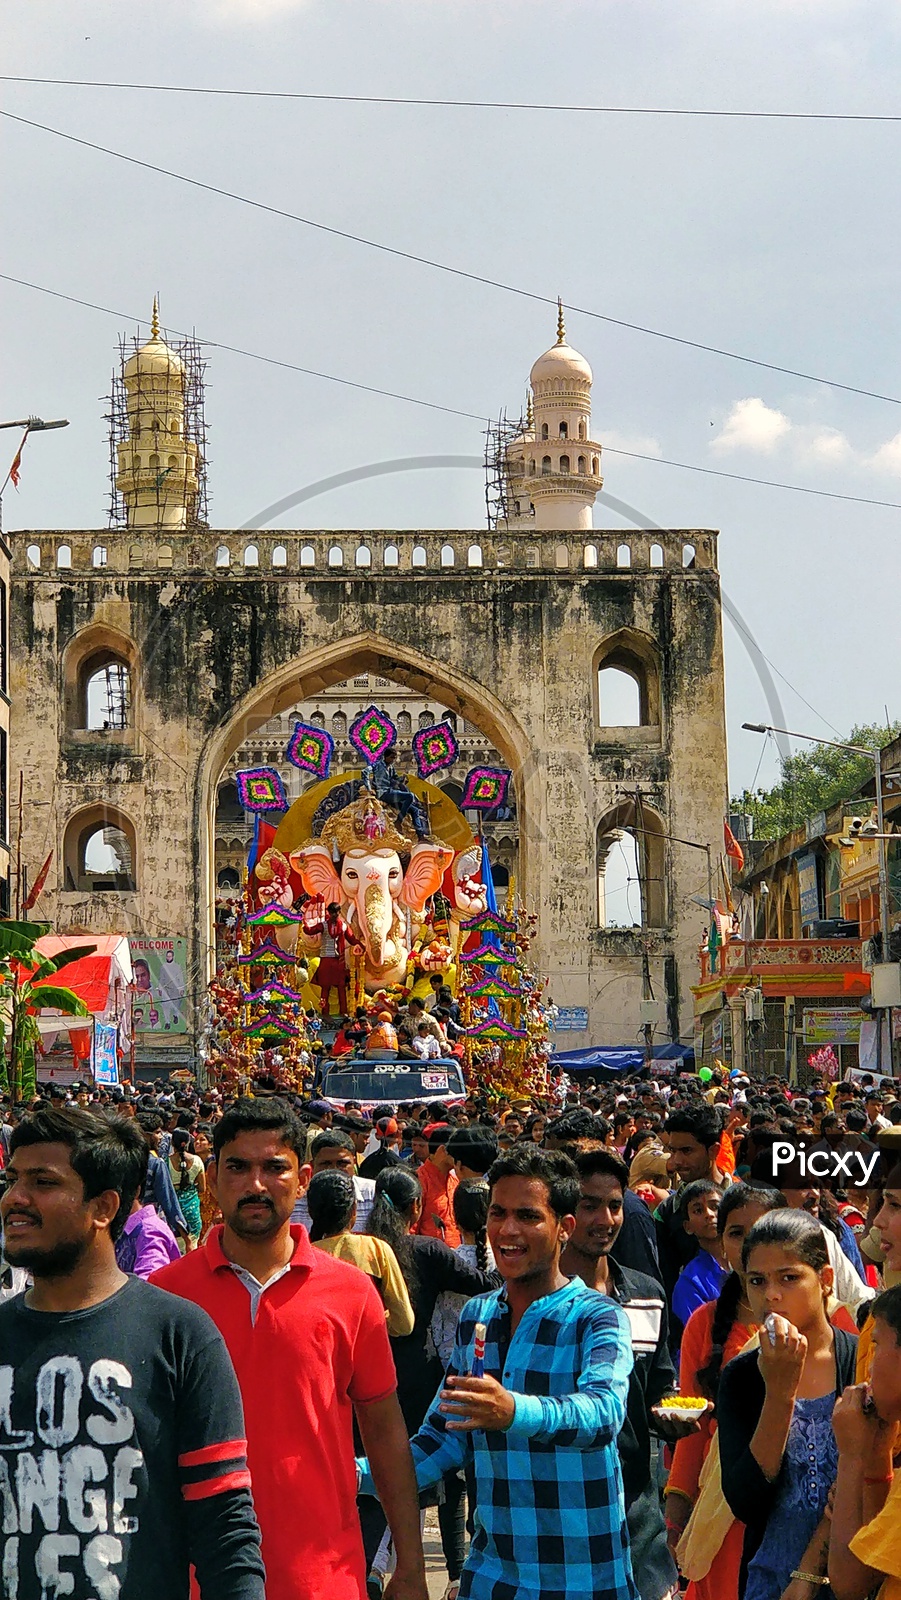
column 428, row 864
column 317, row 874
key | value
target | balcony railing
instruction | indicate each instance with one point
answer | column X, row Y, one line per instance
column 742, row 957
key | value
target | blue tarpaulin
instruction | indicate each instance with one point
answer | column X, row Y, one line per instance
column 614, row 1060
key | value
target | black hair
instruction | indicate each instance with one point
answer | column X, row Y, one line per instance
column 471, row 1215
column 106, row 1152
column 266, row 1116
column 701, row 1122
column 887, row 1307
column 607, row 1163
column 553, row 1168
column 331, row 1198
column 693, row 1191
column 439, row 1136
column 149, row 1121
column 331, row 1139
column 573, row 1125
column 396, row 1193
column 797, row 1230
column 855, row 1121
column 735, row 1197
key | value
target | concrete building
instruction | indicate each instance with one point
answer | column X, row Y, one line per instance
column 149, row 656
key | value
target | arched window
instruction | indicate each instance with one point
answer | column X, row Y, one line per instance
column 590, row 556
column 627, row 681
column 175, row 426
column 454, row 791
column 228, row 878
column 98, row 555
column 561, row 557
column 544, row 430
column 595, row 466
column 624, row 555
column 450, row 717
column 279, row 556
column 229, row 809
column 630, row 868
column 318, row 719
column 447, row 555
column 564, row 463
column 164, row 555
column 474, row 556
column 99, row 852
column 336, row 556
column 223, row 556
column 532, row 468
column 425, row 719
column 404, row 724
column 500, row 874
column 363, row 557
column 564, row 431
column 251, row 555
column 308, row 556
column 173, row 463
column 656, row 555
column 419, row 555
column 581, row 464
column 106, row 692
column 688, row 555
column 391, row 558
column 154, row 463
column 339, row 725
column 34, row 555
column 582, row 433
column 64, row 556
column 545, row 463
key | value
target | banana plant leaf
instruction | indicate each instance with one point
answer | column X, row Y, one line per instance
column 46, row 997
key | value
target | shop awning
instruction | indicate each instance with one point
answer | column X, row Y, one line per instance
column 94, row 978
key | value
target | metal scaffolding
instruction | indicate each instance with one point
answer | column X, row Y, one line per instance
column 193, row 424
column 500, row 504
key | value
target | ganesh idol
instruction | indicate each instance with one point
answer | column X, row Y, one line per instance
column 382, row 876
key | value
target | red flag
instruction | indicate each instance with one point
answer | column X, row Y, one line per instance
column 733, row 849
column 14, row 469
column 38, row 884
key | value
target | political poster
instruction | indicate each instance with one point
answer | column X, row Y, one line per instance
column 104, row 1058
column 160, row 985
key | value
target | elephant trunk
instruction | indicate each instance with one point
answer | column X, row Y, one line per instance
column 377, row 916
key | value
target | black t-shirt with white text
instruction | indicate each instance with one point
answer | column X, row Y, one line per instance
column 122, row 1454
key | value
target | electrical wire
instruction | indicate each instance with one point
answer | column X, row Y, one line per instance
column 463, row 105
column 473, row 416
column 443, row 266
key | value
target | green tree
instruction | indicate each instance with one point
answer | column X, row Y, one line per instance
column 812, row 781
column 24, row 991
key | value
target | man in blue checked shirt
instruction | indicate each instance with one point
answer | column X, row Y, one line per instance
column 540, row 1428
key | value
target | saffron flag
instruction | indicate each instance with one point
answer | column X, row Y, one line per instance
column 38, row 884
column 733, row 849
column 14, row 469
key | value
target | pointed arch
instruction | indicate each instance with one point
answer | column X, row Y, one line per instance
column 633, row 655
column 640, row 834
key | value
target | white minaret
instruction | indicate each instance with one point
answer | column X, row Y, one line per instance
column 554, row 465
column 157, row 473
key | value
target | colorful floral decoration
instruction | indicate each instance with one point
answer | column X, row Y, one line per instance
column 261, row 789
column 485, row 788
column 371, row 734
column 434, row 748
column 310, row 749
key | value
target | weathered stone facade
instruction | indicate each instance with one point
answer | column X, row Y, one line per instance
column 222, row 631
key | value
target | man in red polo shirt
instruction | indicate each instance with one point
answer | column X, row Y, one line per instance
column 439, row 1180
column 308, row 1340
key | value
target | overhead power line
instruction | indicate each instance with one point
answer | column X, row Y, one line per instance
column 434, row 405
column 462, row 105
column 443, row 266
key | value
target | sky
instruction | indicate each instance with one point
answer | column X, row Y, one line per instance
column 774, row 239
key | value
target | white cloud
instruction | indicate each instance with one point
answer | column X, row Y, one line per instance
column 752, row 425
column 888, row 457
column 638, row 444
column 826, row 445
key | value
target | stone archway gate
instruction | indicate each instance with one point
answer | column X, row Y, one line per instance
column 226, row 629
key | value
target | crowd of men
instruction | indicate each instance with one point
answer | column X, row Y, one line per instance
column 214, row 1386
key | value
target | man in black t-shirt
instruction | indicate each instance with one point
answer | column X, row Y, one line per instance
column 122, row 1450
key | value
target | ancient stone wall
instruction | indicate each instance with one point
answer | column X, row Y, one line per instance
column 224, row 630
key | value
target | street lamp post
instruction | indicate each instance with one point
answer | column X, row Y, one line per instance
column 28, row 425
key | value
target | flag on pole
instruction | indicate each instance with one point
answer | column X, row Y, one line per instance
column 38, row 884
column 14, row 469
column 733, row 849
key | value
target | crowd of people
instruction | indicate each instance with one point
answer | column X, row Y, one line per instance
column 625, row 1346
